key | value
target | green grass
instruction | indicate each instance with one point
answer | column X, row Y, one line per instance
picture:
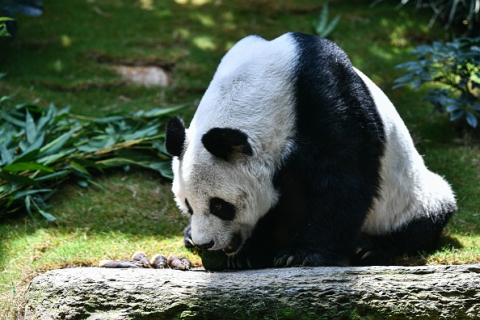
column 65, row 57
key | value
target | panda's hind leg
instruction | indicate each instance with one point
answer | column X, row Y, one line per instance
column 420, row 235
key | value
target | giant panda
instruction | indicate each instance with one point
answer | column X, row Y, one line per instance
column 294, row 157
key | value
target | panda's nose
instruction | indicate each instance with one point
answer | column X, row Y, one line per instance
column 205, row 246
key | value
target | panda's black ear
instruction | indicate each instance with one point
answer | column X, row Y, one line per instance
column 175, row 136
column 226, row 143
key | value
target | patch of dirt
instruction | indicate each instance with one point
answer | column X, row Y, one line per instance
column 148, row 72
column 148, row 76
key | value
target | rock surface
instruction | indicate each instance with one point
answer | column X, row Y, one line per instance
column 429, row 292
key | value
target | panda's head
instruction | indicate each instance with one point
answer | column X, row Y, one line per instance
column 225, row 162
column 219, row 184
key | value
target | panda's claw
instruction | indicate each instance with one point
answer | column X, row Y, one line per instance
column 249, row 264
column 366, row 255
column 290, row 261
column 281, row 262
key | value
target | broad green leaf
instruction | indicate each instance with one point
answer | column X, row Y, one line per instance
column 452, row 108
column 27, row 156
column 7, row 117
column 18, row 179
column 108, row 119
column 471, row 119
column 78, row 167
column 36, row 145
column 22, row 194
column 118, row 162
column 27, row 204
column 95, row 184
column 7, row 155
column 88, row 164
column 47, row 215
column 56, row 144
column 143, row 133
column 457, row 114
column 54, row 157
column 51, row 113
column 331, row 26
column 158, row 112
column 53, row 176
column 30, row 128
column 26, row 166
column 82, row 183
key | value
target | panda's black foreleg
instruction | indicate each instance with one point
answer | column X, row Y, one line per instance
column 256, row 253
column 329, row 244
column 330, row 230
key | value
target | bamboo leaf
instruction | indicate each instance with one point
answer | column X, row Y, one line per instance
column 159, row 112
column 471, row 119
column 51, row 139
column 56, row 144
column 108, row 119
column 6, row 116
column 27, row 156
column 88, row 164
column 27, row 204
column 46, row 119
column 53, row 176
column 82, row 183
column 7, row 156
column 30, row 128
column 18, row 179
column 78, row 167
column 54, row 157
column 47, row 215
column 37, row 143
column 26, row 166
column 22, row 194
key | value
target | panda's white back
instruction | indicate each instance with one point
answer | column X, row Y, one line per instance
column 252, row 90
column 409, row 190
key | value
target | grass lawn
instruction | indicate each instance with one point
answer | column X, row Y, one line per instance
column 66, row 57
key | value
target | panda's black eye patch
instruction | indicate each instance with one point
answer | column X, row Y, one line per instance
column 222, row 209
column 190, row 210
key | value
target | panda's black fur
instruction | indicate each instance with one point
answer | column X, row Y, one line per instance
column 330, row 179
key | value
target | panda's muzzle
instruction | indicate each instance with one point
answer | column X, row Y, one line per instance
column 234, row 244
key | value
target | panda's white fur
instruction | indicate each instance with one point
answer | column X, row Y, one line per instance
column 409, row 190
column 252, row 91
column 252, row 68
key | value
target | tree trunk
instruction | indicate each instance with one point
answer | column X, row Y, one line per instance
column 451, row 292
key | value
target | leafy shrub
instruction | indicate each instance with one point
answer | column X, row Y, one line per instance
column 41, row 148
column 456, row 67
column 463, row 15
